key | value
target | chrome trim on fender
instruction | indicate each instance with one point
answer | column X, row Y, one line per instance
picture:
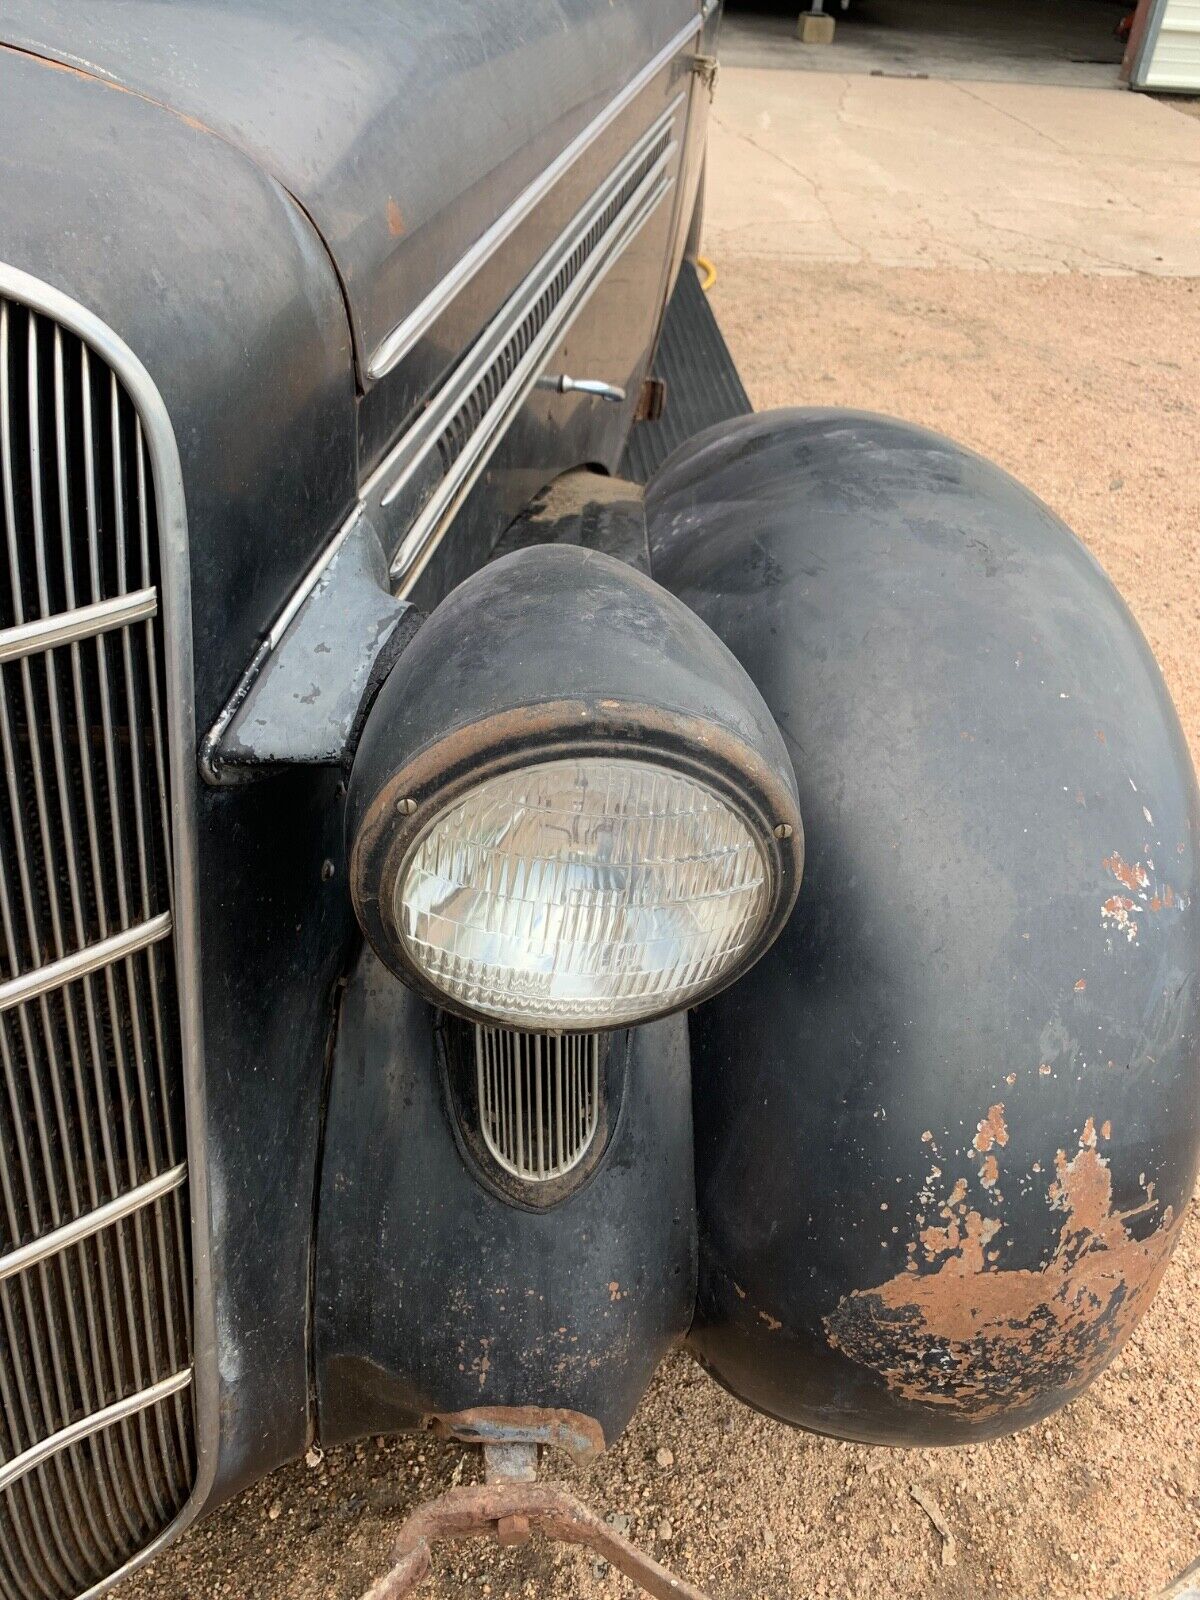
column 68, row 627
column 92, row 1222
column 405, row 334
column 40, row 980
column 85, row 1427
column 175, row 600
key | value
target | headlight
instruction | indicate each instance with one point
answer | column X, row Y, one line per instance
column 581, row 891
column 570, row 807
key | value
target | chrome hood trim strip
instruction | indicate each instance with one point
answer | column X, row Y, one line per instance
column 419, row 444
column 565, row 278
column 430, row 526
column 392, row 350
column 398, row 467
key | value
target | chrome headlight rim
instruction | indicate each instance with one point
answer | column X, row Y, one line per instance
column 416, row 797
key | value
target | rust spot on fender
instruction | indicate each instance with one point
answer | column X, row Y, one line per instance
column 992, row 1130
column 1118, row 910
column 960, row 1331
column 1133, row 877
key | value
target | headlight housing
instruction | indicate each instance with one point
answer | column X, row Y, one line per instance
column 570, row 807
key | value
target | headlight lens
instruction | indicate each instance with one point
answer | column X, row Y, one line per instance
column 588, row 891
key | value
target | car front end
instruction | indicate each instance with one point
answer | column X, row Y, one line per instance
column 474, row 918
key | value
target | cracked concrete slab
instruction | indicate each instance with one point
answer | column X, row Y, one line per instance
column 902, row 173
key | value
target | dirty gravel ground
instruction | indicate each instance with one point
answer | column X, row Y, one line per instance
column 1087, row 388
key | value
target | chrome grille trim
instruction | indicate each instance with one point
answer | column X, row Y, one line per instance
column 69, row 969
column 443, row 454
column 400, row 341
column 79, row 1511
column 119, row 1411
column 68, row 627
column 92, row 1222
column 539, row 1099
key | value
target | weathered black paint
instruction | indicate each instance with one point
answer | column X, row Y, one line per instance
column 302, row 702
column 436, row 1295
column 130, row 181
column 206, row 268
column 358, row 111
column 986, row 757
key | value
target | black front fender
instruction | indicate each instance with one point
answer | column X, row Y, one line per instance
column 947, row 1128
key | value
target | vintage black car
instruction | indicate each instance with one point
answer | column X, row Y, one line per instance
column 510, row 861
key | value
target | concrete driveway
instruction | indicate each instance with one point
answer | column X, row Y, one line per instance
column 811, row 166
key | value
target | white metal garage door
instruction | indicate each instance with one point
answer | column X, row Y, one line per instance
column 1169, row 55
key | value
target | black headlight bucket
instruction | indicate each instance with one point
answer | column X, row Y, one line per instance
column 550, row 653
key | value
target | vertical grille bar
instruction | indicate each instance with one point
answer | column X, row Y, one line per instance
column 97, row 1433
column 538, row 1097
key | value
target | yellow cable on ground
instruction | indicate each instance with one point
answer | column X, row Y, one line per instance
column 709, row 271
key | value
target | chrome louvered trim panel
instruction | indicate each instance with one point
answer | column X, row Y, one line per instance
column 100, row 1391
column 440, row 458
column 445, row 452
column 539, row 1099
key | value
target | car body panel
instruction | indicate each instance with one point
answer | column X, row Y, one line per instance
column 202, row 264
column 201, row 260
column 983, row 1013
column 358, row 110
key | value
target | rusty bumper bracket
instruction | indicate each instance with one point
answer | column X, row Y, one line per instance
column 510, row 1512
column 580, row 1437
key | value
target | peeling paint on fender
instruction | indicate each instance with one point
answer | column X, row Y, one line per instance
column 1118, row 910
column 1135, row 877
column 992, row 1130
column 960, row 1331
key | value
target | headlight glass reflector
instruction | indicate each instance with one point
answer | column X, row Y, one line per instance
column 589, row 891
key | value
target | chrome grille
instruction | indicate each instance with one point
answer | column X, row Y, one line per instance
column 539, row 1099
column 97, row 1451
